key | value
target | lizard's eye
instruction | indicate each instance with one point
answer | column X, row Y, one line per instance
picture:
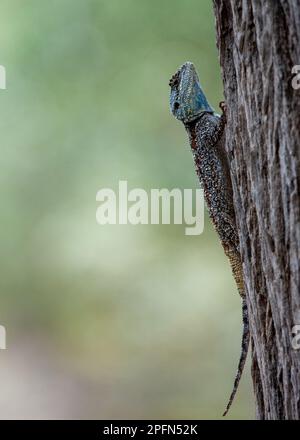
column 176, row 105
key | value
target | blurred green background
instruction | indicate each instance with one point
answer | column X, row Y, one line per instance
column 107, row 321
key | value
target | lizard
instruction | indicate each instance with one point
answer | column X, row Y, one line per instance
column 206, row 133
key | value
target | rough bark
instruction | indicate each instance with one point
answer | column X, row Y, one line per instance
column 259, row 43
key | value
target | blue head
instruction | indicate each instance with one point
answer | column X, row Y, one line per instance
column 187, row 100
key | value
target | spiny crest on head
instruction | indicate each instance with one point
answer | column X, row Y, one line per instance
column 174, row 81
column 187, row 100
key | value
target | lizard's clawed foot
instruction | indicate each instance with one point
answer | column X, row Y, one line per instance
column 223, row 107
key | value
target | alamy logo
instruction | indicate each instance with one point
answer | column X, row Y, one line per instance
column 296, row 337
column 138, row 207
column 296, row 78
column 2, row 337
column 2, row 78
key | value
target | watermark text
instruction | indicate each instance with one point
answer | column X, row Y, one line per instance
column 157, row 206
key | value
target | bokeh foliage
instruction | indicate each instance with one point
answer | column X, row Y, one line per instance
column 148, row 316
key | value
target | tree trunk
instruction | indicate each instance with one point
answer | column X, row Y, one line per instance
column 259, row 43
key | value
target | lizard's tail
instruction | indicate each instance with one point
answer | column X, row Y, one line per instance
column 243, row 356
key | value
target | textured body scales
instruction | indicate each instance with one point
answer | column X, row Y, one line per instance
column 207, row 140
column 206, row 135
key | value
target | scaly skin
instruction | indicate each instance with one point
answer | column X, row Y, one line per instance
column 206, row 135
